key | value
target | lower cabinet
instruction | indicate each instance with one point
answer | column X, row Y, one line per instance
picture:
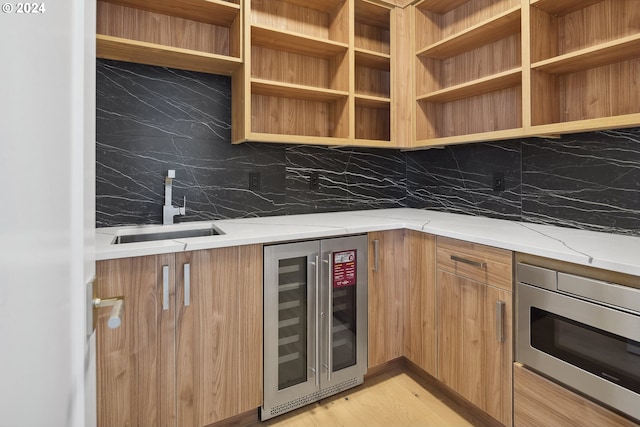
column 445, row 305
column 474, row 303
column 420, row 334
column 387, row 283
column 541, row 402
column 189, row 349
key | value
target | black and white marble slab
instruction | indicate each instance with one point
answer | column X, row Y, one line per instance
column 140, row 100
column 349, row 179
column 151, row 119
column 459, row 179
column 588, row 181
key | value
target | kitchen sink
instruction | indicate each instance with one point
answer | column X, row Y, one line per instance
column 141, row 236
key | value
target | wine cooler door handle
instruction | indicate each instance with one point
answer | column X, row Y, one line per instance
column 165, row 287
column 329, row 365
column 187, row 285
column 317, row 303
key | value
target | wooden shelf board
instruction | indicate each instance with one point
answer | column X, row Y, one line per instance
column 591, row 57
column 562, row 7
column 288, row 90
column 374, row 143
column 216, row 12
column 481, row 86
column 326, row 6
column 589, row 125
column 441, row 6
column 372, row 102
column 475, row 137
column 496, row 28
column 120, row 49
column 296, row 139
column 296, row 43
column 316, row 140
column 370, row 59
column 372, row 14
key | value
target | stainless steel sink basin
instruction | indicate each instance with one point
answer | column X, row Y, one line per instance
column 141, row 236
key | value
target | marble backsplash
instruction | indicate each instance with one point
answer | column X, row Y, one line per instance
column 151, row 119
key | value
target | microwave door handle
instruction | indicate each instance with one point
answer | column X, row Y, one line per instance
column 500, row 306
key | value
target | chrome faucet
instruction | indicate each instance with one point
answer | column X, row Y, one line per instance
column 168, row 210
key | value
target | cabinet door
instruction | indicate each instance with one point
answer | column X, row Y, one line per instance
column 219, row 334
column 460, row 335
column 135, row 361
column 497, row 378
column 420, row 332
column 387, row 280
column 474, row 343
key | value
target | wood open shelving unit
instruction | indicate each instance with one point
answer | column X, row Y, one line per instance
column 315, row 72
column 196, row 35
column 296, row 72
column 406, row 74
column 372, row 76
column 468, row 71
column 585, row 59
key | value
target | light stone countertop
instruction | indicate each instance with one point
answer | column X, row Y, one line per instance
column 608, row 251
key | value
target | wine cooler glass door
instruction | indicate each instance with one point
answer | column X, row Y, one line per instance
column 343, row 309
column 290, row 321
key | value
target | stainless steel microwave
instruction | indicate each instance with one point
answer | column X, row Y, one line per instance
column 582, row 332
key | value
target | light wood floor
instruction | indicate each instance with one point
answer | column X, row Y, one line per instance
column 391, row 399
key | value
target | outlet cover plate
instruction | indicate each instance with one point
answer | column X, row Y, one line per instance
column 254, row 181
column 314, row 181
column 498, row 181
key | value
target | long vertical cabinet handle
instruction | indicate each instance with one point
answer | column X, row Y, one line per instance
column 317, row 286
column 187, row 285
column 330, row 320
column 165, row 287
column 376, row 255
column 500, row 305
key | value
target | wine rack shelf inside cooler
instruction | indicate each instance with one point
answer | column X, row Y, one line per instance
column 292, row 322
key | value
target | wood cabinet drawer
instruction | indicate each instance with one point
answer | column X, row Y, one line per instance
column 481, row 263
column 541, row 402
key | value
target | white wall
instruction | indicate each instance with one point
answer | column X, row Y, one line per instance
column 46, row 255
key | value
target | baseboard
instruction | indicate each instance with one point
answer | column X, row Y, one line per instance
column 250, row 418
column 385, row 367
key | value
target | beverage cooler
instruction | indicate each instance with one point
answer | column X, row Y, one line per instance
column 315, row 321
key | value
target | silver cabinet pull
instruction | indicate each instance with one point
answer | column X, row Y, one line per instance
column 187, row 285
column 480, row 264
column 376, row 255
column 500, row 305
column 165, row 287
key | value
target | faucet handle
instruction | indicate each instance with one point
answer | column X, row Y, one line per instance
column 183, row 209
column 171, row 173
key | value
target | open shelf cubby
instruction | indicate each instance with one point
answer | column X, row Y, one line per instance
column 468, row 75
column 299, row 68
column 585, row 62
column 197, row 35
column 372, row 74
